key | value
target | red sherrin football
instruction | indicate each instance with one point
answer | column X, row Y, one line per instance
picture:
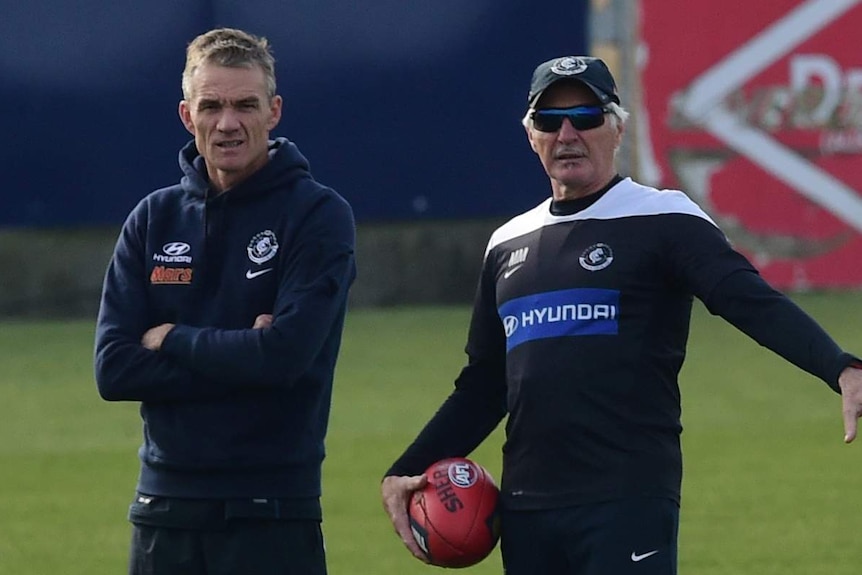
column 454, row 518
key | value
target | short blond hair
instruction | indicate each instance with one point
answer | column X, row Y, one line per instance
column 231, row 48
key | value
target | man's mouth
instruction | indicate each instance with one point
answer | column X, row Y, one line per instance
column 229, row 144
column 569, row 156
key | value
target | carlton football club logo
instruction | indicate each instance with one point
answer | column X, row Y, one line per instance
column 596, row 257
column 568, row 66
column 262, row 247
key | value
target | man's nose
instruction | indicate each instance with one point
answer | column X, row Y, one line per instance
column 228, row 121
column 567, row 131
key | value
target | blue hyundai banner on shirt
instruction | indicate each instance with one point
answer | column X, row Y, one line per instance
column 564, row 313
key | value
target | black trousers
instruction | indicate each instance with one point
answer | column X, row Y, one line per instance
column 625, row 537
column 235, row 537
column 247, row 546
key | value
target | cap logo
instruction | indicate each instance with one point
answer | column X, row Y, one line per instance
column 568, row 66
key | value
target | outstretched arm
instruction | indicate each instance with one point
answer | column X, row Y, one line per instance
column 776, row 322
column 732, row 288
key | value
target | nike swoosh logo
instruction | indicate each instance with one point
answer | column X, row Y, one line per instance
column 508, row 273
column 636, row 557
column 251, row 275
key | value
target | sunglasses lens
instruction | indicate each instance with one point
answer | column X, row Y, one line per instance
column 588, row 121
column 581, row 117
column 547, row 122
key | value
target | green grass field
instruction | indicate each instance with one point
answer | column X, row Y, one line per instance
column 769, row 489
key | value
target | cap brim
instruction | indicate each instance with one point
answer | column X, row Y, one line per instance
column 603, row 97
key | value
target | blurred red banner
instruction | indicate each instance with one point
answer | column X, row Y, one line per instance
column 755, row 110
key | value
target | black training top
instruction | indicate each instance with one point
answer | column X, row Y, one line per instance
column 579, row 332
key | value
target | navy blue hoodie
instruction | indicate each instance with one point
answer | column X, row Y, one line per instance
column 230, row 411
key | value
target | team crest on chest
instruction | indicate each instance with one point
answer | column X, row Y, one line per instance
column 596, row 257
column 262, row 247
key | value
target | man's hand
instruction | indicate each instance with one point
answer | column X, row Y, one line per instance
column 154, row 336
column 850, row 382
column 262, row 321
column 396, row 492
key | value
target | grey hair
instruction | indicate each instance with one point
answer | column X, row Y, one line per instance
column 231, row 48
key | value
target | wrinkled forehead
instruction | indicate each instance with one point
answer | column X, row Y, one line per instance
column 217, row 82
column 566, row 93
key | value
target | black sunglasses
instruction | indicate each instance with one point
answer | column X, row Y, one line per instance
column 581, row 117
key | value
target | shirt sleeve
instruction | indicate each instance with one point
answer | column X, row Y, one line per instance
column 774, row 321
column 477, row 404
column 124, row 369
column 731, row 287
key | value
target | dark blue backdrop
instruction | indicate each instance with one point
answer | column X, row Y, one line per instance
column 410, row 109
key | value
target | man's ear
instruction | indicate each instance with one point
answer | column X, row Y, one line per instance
column 275, row 107
column 621, row 128
column 530, row 138
column 186, row 116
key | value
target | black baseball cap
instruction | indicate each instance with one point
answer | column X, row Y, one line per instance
column 591, row 71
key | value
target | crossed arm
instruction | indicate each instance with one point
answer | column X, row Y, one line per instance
column 154, row 336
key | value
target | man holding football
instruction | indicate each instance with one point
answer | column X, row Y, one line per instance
column 578, row 334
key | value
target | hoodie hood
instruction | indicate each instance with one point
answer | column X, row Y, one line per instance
column 286, row 164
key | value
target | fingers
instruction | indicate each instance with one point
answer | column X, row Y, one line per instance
column 850, row 382
column 154, row 336
column 396, row 493
column 851, row 412
column 262, row 321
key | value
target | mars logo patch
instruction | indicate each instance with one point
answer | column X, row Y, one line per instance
column 168, row 275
